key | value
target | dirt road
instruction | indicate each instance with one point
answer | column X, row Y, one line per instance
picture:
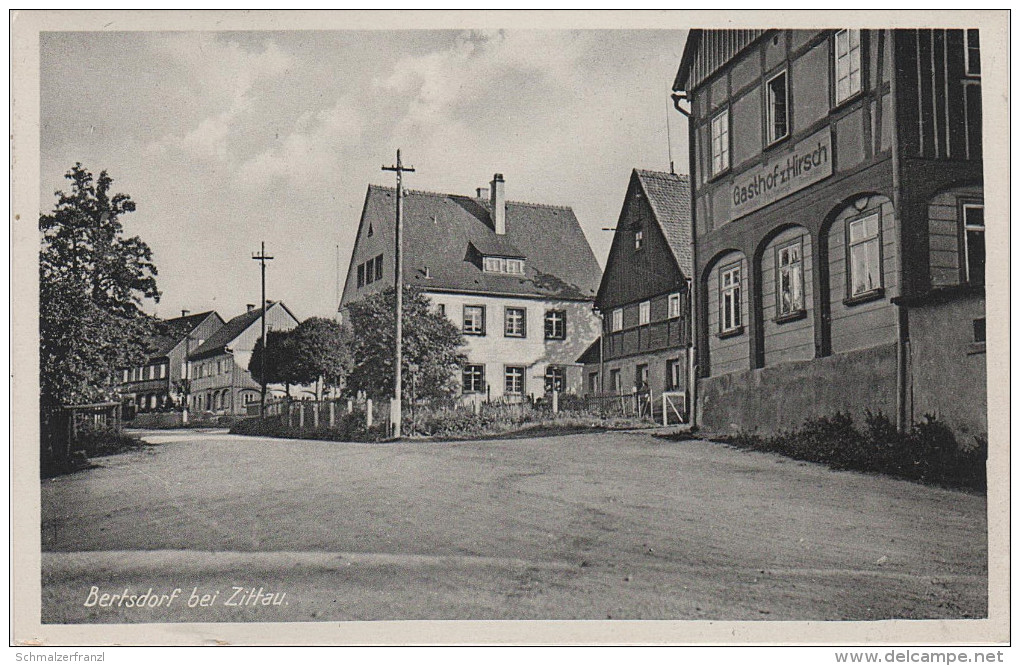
column 613, row 525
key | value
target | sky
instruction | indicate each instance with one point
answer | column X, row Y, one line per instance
column 228, row 139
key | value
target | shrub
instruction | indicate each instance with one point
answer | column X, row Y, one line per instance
column 928, row 453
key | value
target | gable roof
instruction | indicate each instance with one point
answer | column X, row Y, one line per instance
column 173, row 331
column 668, row 204
column 448, row 234
column 670, row 197
column 218, row 341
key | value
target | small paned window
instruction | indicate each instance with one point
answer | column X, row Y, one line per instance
column 378, row 267
column 865, row 259
column 474, row 379
column 617, row 323
column 729, row 299
column 974, row 242
column 848, row 64
column 474, row 320
column 641, row 377
column 721, row 142
column 644, row 313
column 442, row 309
column 555, row 325
column 972, row 52
column 555, row 379
column 674, row 306
column 514, row 380
column 515, row 323
column 789, row 279
column 639, row 239
column 673, row 374
column 778, row 108
column 614, row 381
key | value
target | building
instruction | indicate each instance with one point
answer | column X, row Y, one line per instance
column 644, row 294
column 839, row 224
column 220, row 381
column 519, row 279
column 156, row 385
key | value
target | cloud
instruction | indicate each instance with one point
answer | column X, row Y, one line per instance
column 227, row 89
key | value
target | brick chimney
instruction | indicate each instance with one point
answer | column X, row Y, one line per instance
column 481, row 193
column 497, row 197
column 250, row 306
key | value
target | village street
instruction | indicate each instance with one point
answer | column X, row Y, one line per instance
column 596, row 526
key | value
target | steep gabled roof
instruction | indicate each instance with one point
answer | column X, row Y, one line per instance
column 173, row 331
column 448, row 233
column 668, row 205
column 226, row 334
column 670, row 197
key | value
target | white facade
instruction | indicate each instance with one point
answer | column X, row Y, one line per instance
column 501, row 353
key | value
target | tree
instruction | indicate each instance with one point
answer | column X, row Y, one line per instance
column 320, row 351
column 92, row 284
column 279, row 363
column 430, row 341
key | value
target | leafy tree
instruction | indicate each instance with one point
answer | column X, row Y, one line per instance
column 430, row 341
column 320, row 351
column 279, row 364
column 92, row 283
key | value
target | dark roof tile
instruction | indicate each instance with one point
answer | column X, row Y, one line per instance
column 446, row 233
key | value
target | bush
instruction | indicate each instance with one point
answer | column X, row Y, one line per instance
column 348, row 428
column 928, row 453
column 100, row 440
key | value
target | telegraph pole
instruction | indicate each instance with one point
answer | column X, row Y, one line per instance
column 398, row 282
column 262, row 259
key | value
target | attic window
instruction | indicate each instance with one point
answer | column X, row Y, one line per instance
column 503, row 265
column 370, row 230
column 639, row 239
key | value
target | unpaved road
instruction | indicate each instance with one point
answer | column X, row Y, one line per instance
column 612, row 525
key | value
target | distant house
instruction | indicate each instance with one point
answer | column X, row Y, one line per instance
column 519, row 279
column 220, row 381
column 644, row 294
column 156, row 384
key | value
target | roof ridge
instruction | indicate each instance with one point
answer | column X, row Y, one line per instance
column 432, row 193
column 655, row 174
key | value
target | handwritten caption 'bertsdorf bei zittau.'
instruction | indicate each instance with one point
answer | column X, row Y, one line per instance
column 194, row 598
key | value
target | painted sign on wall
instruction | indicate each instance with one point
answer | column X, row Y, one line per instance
column 808, row 162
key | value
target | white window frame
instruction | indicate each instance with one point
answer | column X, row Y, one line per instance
column 639, row 239
column 494, row 264
column 674, row 306
column 975, row 72
column 790, row 264
column 162, row 370
column 475, row 328
column 555, row 374
column 969, row 228
column 477, row 371
column 507, row 320
column 720, row 136
column 515, row 266
column 852, row 245
column 644, row 313
column 848, row 63
column 617, row 320
column 558, row 319
column 513, row 379
column 770, row 108
column 730, row 288
column 673, row 376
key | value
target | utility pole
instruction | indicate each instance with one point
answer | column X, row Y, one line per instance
column 262, row 259
column 398, row 283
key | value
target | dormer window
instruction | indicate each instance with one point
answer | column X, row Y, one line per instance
column 503, row 265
